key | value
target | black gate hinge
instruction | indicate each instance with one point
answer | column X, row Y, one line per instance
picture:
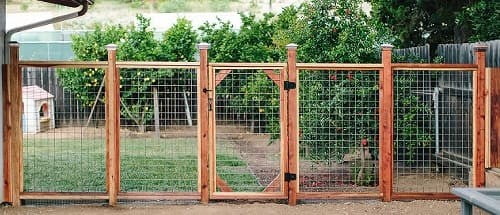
column 290, row 176
column 290, row 85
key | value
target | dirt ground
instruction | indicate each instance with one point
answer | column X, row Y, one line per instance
column 339, row 207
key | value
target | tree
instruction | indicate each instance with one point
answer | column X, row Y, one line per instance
column 136, row 43
column 417, row 22
column 482, row 19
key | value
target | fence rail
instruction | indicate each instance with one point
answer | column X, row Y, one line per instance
column 247, row 131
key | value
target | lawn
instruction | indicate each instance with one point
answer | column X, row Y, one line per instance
column 147, row 164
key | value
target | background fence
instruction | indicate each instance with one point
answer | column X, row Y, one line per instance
column 199, row 130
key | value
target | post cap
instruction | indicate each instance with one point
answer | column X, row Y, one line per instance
column 387, row 46
column 13, row 44
column 480, row 48
column 203, row 46
column 111, row 47
column 292, row 46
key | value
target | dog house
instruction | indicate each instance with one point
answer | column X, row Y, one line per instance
column 38, row 112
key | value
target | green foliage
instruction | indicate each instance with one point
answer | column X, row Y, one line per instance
column 482, row 18
column 222, row 38
column 178, row 42
column 136, row 43
column 413, row 20
column 335, row 106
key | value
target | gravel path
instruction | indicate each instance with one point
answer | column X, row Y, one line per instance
column 334, row 207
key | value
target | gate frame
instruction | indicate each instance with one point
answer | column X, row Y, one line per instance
column 214, row 80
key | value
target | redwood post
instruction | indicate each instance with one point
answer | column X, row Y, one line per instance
column 293, row 124
column 479, row 138
column 386, row 116
column 112, row 126
column 13, row 137
column 203, row 122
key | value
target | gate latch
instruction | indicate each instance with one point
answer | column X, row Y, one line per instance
column 290, row 85
column 290, row 176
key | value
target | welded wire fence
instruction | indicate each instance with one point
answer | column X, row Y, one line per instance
column 58, row 156
column 338, row 131
column 247, row 145
column 432, row 130
column 158, row 130
column 242, row 145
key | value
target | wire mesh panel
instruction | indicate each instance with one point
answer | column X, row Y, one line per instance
column 63, row 126
column 248, row 143
column 338, row 124
column 158, row 137
column 432, row 130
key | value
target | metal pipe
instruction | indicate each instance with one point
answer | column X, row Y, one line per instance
column 435, row 98
column 8, row 35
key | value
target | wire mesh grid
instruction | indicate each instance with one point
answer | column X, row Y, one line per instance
column 63, row 131
column 338, row 124
column 158, row 137
column 432, row 130
column 248, row 149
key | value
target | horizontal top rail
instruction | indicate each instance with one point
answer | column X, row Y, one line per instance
column 434, row 66
column 338, row 66
column 300, row 66
column 104, row 64
column 156, row 65
column 237, row 66
column 64, row 64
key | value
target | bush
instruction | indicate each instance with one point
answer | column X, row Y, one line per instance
column 136, row 43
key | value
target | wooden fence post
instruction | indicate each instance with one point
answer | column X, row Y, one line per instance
column 479, row 138
column 112, row 126
column 386, row 114
column 203, row 122
column 13, row 137
column 293, row 124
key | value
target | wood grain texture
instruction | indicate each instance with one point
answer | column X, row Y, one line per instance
column 64, row 195
column 112, row 128
column 7, row 139
column 14, row 80
column 495, row 118
column 284, row 130
column 479, row 177
column 338, row 195
column 293, row 125
column 386, row 116
column 203, row 119
column 424, row 196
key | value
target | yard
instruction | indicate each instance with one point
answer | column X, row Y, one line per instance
column 65, row 160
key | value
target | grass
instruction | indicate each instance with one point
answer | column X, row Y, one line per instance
column 167, row 165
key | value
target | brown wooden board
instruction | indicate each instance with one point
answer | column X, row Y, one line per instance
column 386, row 125
column 293, row 124
column 495, row 118
column 112, row 127
column 479, row 177
column 203, row 119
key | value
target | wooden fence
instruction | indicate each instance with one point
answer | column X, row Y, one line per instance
column 287, row 77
